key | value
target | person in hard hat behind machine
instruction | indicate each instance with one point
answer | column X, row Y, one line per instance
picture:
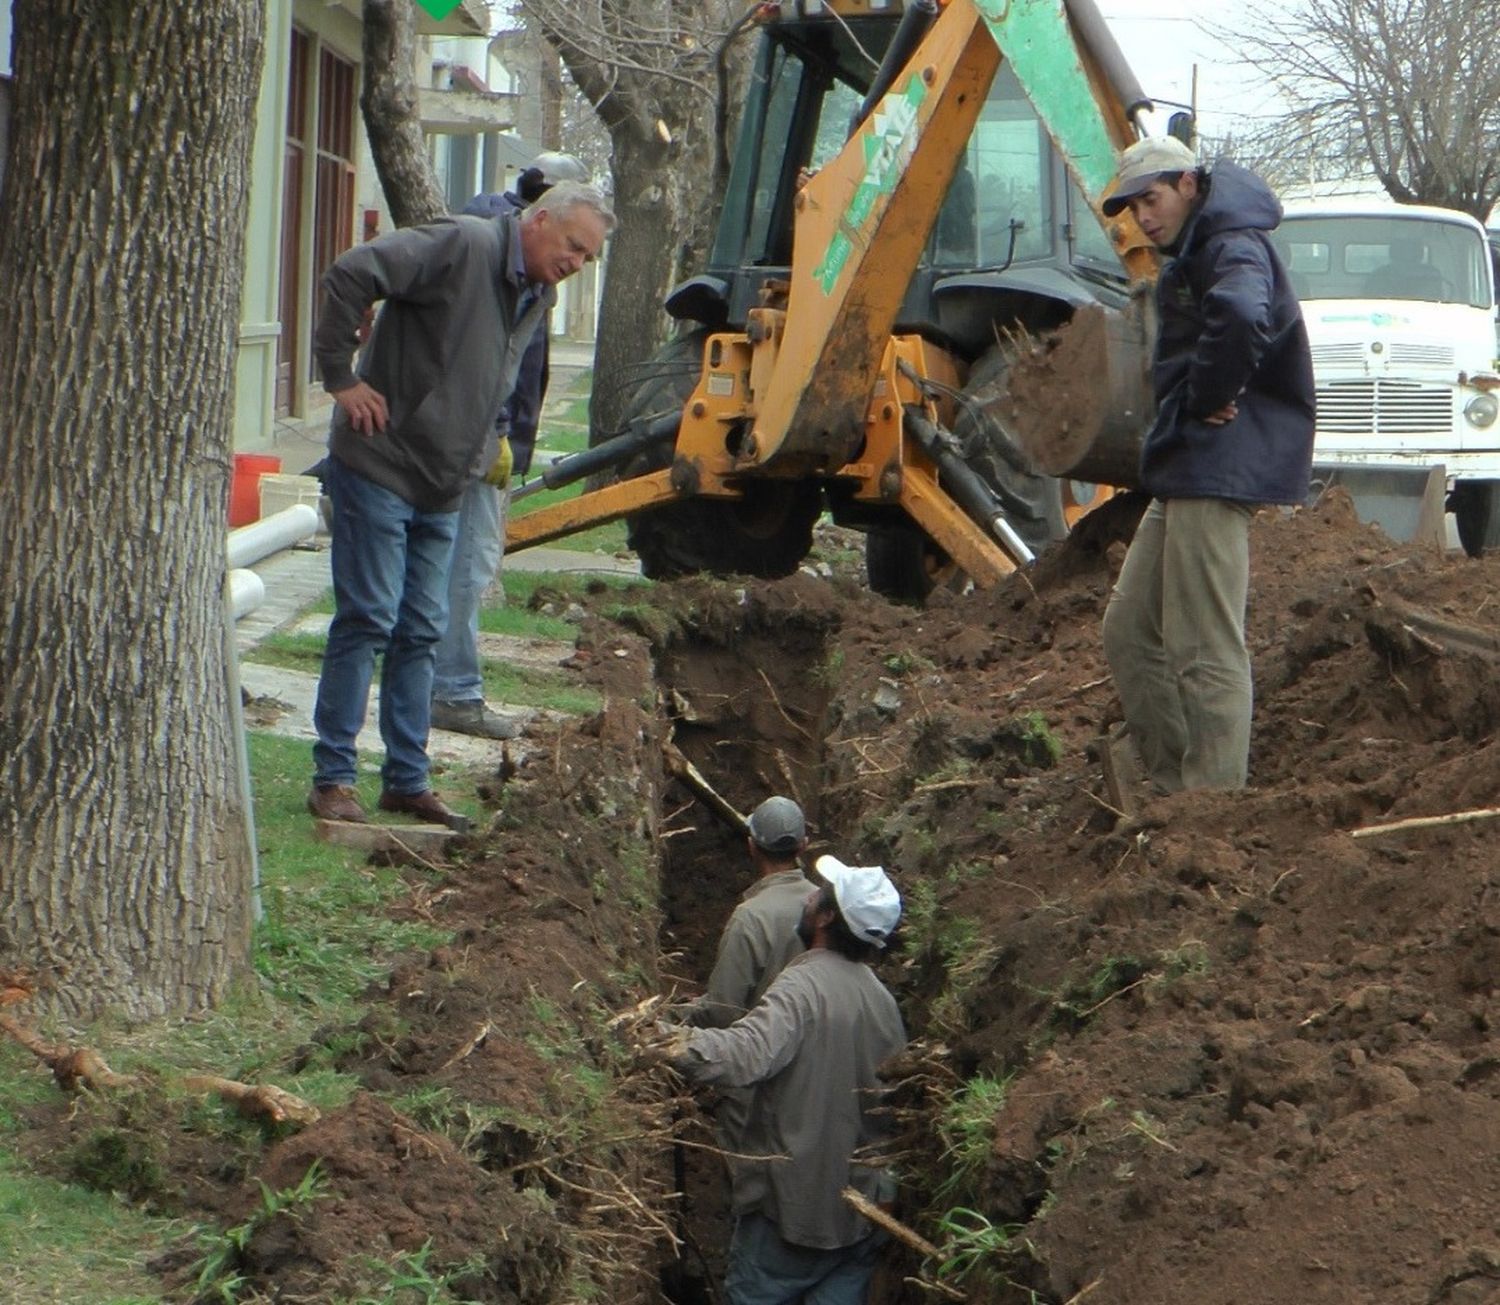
column 457, row 687
column 811, row 1048
column 1232, row 371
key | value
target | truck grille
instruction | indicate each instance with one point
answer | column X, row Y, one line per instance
column 1351, row 354
column 1389, row 408
column 1422, row 355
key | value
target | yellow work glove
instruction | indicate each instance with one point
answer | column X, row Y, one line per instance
column 499, row 473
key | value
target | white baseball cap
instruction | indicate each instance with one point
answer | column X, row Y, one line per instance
column 866, row 897
column 1142, row 164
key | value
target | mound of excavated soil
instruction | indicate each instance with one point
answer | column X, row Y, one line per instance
column 1224, row 1053
column 1251, row 1056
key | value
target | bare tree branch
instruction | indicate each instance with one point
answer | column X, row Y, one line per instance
column 1406, row 91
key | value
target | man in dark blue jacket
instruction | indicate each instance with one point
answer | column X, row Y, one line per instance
column 1234, row 430
column 457, row 687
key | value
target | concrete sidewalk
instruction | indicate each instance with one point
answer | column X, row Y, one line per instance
column 297, row 578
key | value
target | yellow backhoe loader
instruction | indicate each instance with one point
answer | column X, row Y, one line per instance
column 911, row 222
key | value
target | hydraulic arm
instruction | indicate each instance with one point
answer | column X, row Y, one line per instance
column 816, row 387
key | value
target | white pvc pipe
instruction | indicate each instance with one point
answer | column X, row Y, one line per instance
column 271, row 534
column 247, row 591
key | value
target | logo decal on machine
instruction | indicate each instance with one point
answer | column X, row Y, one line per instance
column 888, row 141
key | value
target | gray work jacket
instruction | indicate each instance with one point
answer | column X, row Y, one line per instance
column 760, row 938
column 444, row 351
column 811, row 1046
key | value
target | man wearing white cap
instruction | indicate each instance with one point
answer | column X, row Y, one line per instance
column 1233, row 378
column 811, row 1047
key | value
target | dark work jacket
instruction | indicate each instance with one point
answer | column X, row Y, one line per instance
column 445, row 352
column 1231, row 331
column 523, row 410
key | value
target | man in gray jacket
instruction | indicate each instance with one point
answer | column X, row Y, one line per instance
column 759, row 940
column 411, row 428
column 811, row 1048
column 761, row 936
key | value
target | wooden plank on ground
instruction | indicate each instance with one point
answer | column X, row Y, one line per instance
column 1122, row 771
column 425, row 840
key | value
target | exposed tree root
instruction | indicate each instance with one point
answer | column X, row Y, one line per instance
column 258, row 1101
column 79, row 1068
column 902, row 1233
column 73, row 1068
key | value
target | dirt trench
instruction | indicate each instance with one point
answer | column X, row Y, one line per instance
column 1226, row 1052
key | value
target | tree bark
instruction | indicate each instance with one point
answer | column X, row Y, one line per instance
column 393, row 120
column 125, row 864
column 655, row 98
column 643, row 263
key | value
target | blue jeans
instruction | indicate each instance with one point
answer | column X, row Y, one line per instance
column 765, row 1270
column 476, row 558
column 390, row 568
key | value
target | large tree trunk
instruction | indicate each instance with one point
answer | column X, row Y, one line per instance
column 643, row 263
column 662, row 167
column 392, row 119
column 125, row 861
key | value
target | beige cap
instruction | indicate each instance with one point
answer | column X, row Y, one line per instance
column 1144, row 163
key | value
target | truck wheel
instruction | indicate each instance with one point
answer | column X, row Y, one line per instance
column 1475, row 505
column 767, row 533
column 904, row 565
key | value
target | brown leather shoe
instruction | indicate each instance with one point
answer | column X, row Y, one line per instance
column 425, row 805
column 336, row 802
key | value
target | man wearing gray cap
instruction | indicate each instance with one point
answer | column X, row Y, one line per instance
column 761, row 935
column 1233, row 378
column 811, row 1048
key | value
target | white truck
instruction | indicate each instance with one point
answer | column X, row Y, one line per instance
column 1400, row 308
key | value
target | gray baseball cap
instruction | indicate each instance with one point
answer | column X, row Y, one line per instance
column 777, row 825
column 554, row 167
column 1144, row 163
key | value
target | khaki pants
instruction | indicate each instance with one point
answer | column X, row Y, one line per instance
column 1174, row 634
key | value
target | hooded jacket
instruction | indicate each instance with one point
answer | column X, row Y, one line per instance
column 522, row 412
column 1230, row 331
column 445, row 351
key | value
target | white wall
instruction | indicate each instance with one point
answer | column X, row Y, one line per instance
column 5, row 36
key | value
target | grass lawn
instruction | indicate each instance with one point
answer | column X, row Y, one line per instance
column 324, row 938
column 503, row 683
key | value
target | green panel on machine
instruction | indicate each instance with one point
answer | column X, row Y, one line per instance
column 1036, row 41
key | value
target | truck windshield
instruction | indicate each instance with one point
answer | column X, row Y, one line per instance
column 1377, row 257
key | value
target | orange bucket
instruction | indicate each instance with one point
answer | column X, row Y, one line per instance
column 244, row 488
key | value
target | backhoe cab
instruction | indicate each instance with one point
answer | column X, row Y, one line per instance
column 849, row 345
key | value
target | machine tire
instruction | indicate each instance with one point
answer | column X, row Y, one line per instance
column 990, row 453
column 767, row 533
column 1475, row 505
column 904, row 565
